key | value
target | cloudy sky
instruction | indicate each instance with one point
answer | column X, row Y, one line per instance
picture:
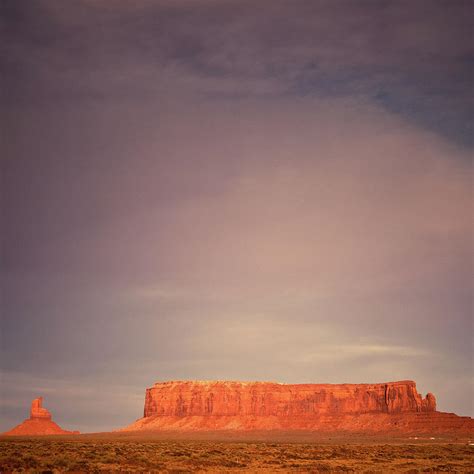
column 251, row 190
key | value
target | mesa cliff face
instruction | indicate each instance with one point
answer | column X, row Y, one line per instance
column 273, row 399
column 39, row 423
column 192, row 405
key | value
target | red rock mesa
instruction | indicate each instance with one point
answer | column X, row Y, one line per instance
column 393, row 406
column 39, row 423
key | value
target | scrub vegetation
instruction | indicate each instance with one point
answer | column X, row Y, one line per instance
column 148, row 454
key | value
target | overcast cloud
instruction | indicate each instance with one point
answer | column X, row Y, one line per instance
column 233, row 190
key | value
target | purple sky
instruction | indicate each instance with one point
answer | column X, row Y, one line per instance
column 261, row 190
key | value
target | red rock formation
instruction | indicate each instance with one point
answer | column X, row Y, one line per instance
column 37, row 411
column 39, row 423
column 273, row 399
column 264, row 406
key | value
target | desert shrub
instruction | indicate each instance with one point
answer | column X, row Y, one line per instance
column 79, row 465
column 231, row 463
column 322, row 467
column 271, row 461
column 108, row 459
column 60, row 462
column 30, row 461
column 9, row 463
column 341, row 468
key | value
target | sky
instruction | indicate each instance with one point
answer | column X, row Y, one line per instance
column 233, row 190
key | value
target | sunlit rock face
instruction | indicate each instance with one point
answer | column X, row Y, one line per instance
column 39, row 423
column 219, row 405
column 273, row 399
column 37, row 411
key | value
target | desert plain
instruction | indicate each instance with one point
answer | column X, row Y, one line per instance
column 173, row 452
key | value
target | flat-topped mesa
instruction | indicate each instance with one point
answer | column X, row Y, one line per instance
column 393, row 407
column 196, row 398
column 37, row 411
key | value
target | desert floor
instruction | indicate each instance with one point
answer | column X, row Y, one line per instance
column 278, row 452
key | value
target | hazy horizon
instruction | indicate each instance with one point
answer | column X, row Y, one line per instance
column 231, row 190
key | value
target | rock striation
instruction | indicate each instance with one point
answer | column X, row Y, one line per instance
column 273, row 399
column 219, row 405
column 39, row 423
